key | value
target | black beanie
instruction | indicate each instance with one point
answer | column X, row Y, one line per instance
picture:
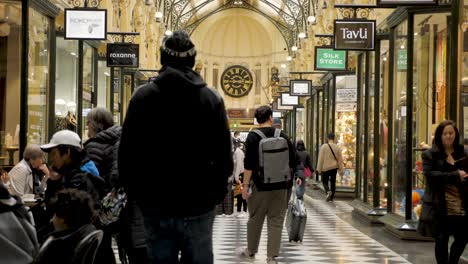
column 179, row 49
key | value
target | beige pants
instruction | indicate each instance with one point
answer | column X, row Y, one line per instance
column 273, row 205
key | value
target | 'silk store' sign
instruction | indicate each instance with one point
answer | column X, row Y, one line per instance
column 354, row 34
column 123, row 55
column 327, row 59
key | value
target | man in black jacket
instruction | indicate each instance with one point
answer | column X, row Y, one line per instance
column 184, row 125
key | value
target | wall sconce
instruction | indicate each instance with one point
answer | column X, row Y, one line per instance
column 158, row 15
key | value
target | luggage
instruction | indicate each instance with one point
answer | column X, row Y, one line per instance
column 296, row 220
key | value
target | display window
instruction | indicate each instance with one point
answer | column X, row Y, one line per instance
column 66, row 84
column 300, row 127
column 103, row 87
column 399, row 119
column 346, row 128
column 429, row 92
column 383, row 121
column 331, row 104
column 463, row 58
column 38, row 77
column 362, row 71
column 320, row 119
column 116, row 95
column 10, row 78
column 370, row 129
column 88, row 86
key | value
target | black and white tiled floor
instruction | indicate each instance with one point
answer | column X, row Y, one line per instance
column 327, row 239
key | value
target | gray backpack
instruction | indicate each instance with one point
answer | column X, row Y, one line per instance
column 273, row 159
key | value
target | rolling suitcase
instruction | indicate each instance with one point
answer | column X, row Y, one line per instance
column 296, row 220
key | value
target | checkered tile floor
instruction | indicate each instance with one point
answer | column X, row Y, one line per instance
column 327, row 239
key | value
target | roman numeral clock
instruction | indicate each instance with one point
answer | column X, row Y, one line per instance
column 236, row 81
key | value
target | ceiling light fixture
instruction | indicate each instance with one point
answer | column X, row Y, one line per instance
column 311, row 19
column 158, row 15
column 289, row 58
column 168, row 32
column 283, row 66
column 302, row 35
column 294, row 48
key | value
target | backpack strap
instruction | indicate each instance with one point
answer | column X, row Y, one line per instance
column 277, row 132
column 260, row 133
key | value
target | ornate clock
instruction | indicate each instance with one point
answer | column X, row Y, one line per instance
column 236, row 81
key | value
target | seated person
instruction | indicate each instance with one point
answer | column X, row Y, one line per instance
column 73, row 213
column 18, row 243
column 30, row 175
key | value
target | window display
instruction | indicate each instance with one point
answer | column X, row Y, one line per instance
column 66, row 82
column 370, row 130
column 10, row 77
column 362, row 124
column 38, row 77
column 383, row 121
column 88, row 86
column 300, row 121
column 103, row 93
column 399, row 120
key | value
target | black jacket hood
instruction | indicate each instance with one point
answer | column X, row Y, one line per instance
column 179, row 75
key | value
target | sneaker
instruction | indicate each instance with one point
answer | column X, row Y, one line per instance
column 240, row 215
column 329, row 196
column 244, row 253
column 271, row 261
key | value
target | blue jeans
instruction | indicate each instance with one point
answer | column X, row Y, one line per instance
column 191, row 236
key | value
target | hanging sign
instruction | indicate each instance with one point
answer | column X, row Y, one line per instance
column 327, row 59
column 287, row 99
column 356, row 34
column 300, row 87
column 346, row 95
column 402, row 59
column 280, row 106
column 346, row 107
column 395, row 3
column 277, row 114
column 123, row 55
column 86, row 24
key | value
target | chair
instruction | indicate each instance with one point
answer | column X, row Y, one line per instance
column 87, row 248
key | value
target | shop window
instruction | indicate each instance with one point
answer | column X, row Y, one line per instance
column 116, row 95
column 429, row 92
column 103, row 93
column 66, row 83
column 300, row 121
column 370, row 129
column 362, row 124
column 345, row 129
column 10, row 77
column 88, row 86
column 38, row 77
column 383, row 121
column 464, row 81
column 399, row 119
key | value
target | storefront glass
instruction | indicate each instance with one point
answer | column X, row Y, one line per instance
column 320, row 118
column 88, row 86
column 103, row 89
column 429, row 94
column 38, row 77
column 331, row 103
column 370, row 129
column 116, row 94
column 346, row 128
column 362, row 124
column 127, row 93
column 66, row 83
column 300, row 127
column 399, row 119
column 383, row 121
column 10, row 77
column 464, row 75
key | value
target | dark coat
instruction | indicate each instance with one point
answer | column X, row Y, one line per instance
column 100, row 149
column 175, row 145
column 62, row 247
column 434, row 209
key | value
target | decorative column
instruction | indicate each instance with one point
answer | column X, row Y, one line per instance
column 139, row 22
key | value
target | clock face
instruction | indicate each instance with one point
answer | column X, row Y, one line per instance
column 236, row 81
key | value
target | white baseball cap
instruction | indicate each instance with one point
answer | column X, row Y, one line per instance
column 63, row 137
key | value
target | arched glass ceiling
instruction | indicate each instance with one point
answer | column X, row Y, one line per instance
column 289, row 16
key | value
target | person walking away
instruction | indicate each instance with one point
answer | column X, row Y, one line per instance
column 268, row 180
column 238, row 176
column 177, row 191
column 18, row 241
column 445, row 201
column 330, row 162
column 304, row 159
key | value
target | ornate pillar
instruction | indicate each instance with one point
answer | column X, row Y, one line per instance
column 139, row 22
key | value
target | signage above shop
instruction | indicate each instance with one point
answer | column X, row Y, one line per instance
column 355, row 34
column 277, row 114
column 346, row 107
column 291, row 100
column 280, row 106
column 346, row 95
column 123, row 55
column 86, row 24
column 300, row 87
column 402, row 59
column 327, row 59
column 394, row 3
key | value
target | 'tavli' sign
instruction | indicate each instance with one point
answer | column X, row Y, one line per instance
column 354, row 34
column 327, row 59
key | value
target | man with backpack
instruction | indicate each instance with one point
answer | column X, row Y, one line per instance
column 269, row 160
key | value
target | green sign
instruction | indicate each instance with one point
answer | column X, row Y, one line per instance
column 328, row 59
column 402, row 59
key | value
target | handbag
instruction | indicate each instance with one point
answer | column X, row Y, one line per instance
column 307, row 172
